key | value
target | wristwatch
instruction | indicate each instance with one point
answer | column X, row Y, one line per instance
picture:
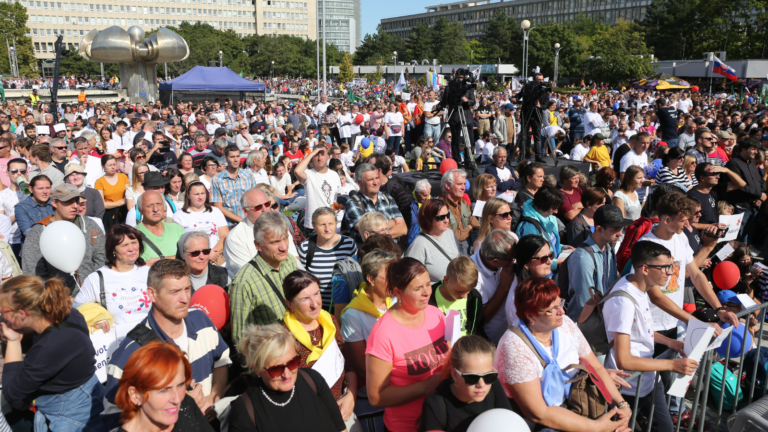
column 622, row 405
column 721, row 308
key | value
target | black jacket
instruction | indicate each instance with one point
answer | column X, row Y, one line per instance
column 217, row 276
column 755, row 183
column 512, row 184
column 475, row 320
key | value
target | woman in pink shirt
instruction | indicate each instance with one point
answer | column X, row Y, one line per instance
column 406, row 347
column 376, row 119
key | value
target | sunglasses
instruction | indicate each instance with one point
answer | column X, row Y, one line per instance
column 732, row 304
column 58, row 148
column 441, row 218
column 277, row 370
column 665, row 268
column 545, row 258
column 197, row 253
column 506, row 215
column 141, row 157
column 472, row 379
column 16, row 171
column 265, row 206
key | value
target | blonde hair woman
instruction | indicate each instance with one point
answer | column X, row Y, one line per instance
column 689, row 165
column 497, row 214
column 426, row 160
column 137, row 174
column 483, row 189
column 372, row 223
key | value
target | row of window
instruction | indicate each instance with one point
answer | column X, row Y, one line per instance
column 283, row 4
column 286, row 26
column 42, row 47
column 48, row 19
column 91, row 7
column 285, row 15
column 127, row 22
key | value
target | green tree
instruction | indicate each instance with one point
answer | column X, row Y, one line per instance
column 449, row 42
column 420, row 44
column 502, row 39
column 13, row 26
column 345, row 69
column 619, row 54
column 479, row 56
column 378, row 47
column 376, row 76
column 73, row 63
column 541, row 51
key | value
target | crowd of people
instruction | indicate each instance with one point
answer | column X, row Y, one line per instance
column 355, row 292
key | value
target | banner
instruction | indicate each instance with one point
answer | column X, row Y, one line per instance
column 105, row 345
column 435, row 79
column 359, row 81
column 733, row 222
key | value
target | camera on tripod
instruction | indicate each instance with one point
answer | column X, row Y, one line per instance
column 456, row 89
column 533, row 92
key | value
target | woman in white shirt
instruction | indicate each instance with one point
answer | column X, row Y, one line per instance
column 210, row 168
column 125, row 279
column 198, row 215
column 393, row 130
column 133, row 192
column 281, row 181
column 344, row 122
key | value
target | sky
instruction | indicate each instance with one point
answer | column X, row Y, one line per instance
column 374, row 10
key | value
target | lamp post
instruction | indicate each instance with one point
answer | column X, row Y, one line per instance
column 394, row 66
column 221, row 59
column 472, row 56
column 525, row 25
column 272, row 73
column 557, row 59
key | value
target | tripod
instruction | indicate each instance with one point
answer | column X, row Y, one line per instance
column 470, row 162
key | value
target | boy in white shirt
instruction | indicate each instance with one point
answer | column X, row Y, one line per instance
column 629, row 324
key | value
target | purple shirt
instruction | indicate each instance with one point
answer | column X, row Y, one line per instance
column 446, row 147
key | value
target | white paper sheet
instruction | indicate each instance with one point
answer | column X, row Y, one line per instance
column 508, row 196
column 725, row 252
column 696, row 341
column 733, row 222
column 479, row 206
column 746, row 301
column 42, row 130
column 331, row 364
column 452, row 326
column 720, row 339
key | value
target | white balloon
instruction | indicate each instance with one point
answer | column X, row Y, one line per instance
column 63, row 246
column 499, row 420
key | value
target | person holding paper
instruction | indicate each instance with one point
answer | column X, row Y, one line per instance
column 630, row 323
column 483, row 189
column 456, row 292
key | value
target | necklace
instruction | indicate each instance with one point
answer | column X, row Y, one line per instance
column 544, row 342
column 293, row 390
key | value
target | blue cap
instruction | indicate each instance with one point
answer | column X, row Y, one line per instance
column 576, row 98
column 764, row 137
column 509, row 106
column 726, row 296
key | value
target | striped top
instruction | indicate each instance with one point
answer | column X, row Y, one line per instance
column 323, row 262
column 665, row 175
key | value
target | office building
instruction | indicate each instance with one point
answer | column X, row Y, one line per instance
column 474, row 15
column 286, row 18
column 342, row 18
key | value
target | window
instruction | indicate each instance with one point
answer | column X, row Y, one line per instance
column 50, row 47
column 61, row 20
column 69, row 35
column 98, row 21
column 122, row 21
column 34, row 32
column 45, row 5
column 47, row 19
column 37, row 47
column 111, row 21
column 145, row 11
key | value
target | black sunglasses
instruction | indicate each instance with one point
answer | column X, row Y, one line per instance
column 504, row 215
column 473, row 379
column 441, row 218
column 545, row 258
column 61, row 148
column 197, row 253
column 15, row 171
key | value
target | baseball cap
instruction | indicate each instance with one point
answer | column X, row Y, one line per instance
column 73, row 168
column 576, row 98
column 509, row 106
column 598, row 136
column 65, row 192
column 724, row 134
column 610, row 216
column 728, row 296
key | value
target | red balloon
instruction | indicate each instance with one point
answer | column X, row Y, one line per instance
column 359, row 119
column 214, row 301
column 726, row 275
column 593, row 91
column 695, row 89
column 447, row 165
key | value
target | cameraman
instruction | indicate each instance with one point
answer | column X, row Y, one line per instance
column 535, row 97
column 464, row 89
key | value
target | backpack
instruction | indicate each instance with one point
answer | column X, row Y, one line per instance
column 591, row 321
column 762, row 367
column 311, row 249
column 731, row 386
column 634, row 232
column 564, row 279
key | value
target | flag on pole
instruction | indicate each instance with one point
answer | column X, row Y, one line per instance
column 476, row 74
column 723, row 69
column 400, row 83
column 435, row 79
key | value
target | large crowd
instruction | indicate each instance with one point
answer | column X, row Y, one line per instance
column 358, row 296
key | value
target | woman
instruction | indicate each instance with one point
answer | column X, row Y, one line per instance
column 559, row 343
column 344, row 124
column 483, row 189
column 152, row 392
column 583, row 225
column 497, row 214
column 320, row 252
column 393, row 127
column 647, row 126
column 533, row 258
column 426, row 161
column 68, row 114
column 283, row 397
column 373, row 223
column 106, row 144
column 671, row 171
column 185, row 164
column 194, row 249
column 689, row 166
column 571, row 206
column 210, row 169
column 197, row 214
column 369, row 302
column 532, row 179
column 541, row 209
column 124, row 278
column 112, row 188
column 394, row 381
column 605, row 179
column 173, row 190
column 436, row 245
column 243, row 139
column 281, row 181
column 468, row 389
column 132, row 193
column 318, row 335
column 626, row 198
column 60, row 357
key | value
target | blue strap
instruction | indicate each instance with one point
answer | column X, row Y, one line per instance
column 553, row 383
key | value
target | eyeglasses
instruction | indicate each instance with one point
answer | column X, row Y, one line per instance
column 555, row 309
column 197, row 253
column 665, row 268
column 384, row 231
column 57, row 148
column 16, row 171
column 264, row 205
column 472, row 379
column 441, row 218
column 141, row 157
column 545, row 258
column 277, row 370
column 275, row 206
column 491, row 187
column 507, row 215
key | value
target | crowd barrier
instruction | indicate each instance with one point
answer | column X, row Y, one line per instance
column 744, row 415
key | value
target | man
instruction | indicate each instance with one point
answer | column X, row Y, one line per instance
column 58, row 154
column 422, row 191
column 217, row 151
column 454, row 120
column 705, row 144
column 453, row 186
column 495, row 276
column 91, row 164
column 229, row 185
column 322, row 185
column 321, row 106
column 684, row 104
column 169, row 290
column 726, row 141
column 637, row 156
column 256, row 162
column 593, row 264
column 667, row 118
column 64, row 199
column 484, row 114
column 75, row 175
column 500, row 128
column 506, row 179
column 40, row 157
column 123, row 139
column 750, row 197
column 621, row 136
column 393, row 187
column 709, row 191
column 593, row 121
column 509, row 117
column 199, row 152
column 576, row 115
column 256, row 292
column 9, row 197
column 432, row 120
column 370, row 199
column 687, row 139
column 159, row 237
column 163, row 155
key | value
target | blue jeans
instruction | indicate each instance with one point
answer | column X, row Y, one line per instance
column 432, row 131
column 393, row 142
column 672, row 142
column 74, row 411
column 283, row 202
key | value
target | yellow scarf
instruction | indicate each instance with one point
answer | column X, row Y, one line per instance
column 417, row 202
column 362, row 303
column 329, row 333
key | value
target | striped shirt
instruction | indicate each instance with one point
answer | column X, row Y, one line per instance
column 323, row 262
column 206, row 351
column 665, row 175
column 227, row 190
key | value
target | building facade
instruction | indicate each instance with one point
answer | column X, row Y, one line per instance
column 342, row 19
column 286, row 18
column 474, row 15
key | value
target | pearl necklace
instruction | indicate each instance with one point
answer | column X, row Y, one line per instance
column 293, row 390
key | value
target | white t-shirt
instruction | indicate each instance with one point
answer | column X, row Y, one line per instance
column 579, row 151
column 550, row 131
column 8, row 201
column 682, row 255
column 126, row 293
column 428, row 108
column 321, row 108
column 487, row 284
column 356, row 325
column 322, row 190
column 379, row 144
column 621, row 316
column 207, row 222
column 479, row 146
column 488, row 152
column 114, row 145
column 684, row 105
column 394, row 118
column 503, row 173
column 280, row 185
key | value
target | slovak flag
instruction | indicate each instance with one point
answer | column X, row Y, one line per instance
column 724, row 70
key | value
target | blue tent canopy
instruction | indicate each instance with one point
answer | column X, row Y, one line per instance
column 201, row 78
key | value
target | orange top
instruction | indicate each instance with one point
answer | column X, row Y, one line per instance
column 81, row 97
column 113, row 193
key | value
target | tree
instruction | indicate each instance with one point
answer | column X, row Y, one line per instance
column 378, row 47
column 73, row 63
column 13, row 26
column 376, row 76
column 449, row 42
column 502, row 39
column 619, row 54
column 420, row 44
column 345, row 69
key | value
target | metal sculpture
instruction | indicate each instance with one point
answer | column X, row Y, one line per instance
column 136, row 56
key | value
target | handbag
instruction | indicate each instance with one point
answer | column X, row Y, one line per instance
column 396, row 129
column 585, row 398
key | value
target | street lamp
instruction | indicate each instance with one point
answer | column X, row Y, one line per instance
column 394, row 66
column 557, row 58
column 472, row 57
column 221, row 59
column 525, row 25
column 273, row 70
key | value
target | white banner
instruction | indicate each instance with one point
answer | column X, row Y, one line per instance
column 105, row 345
column 359, row 81
column 733, row 223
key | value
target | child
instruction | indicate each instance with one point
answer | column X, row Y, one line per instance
column 724, row 208
column 457, row 292
column 599, row 155
column 345, row 188
column 347, row 156
column 629, row 324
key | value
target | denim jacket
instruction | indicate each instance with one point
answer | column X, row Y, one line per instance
column 581, row 271
column 28, row 212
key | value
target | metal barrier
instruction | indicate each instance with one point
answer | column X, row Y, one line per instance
column 701, row 396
